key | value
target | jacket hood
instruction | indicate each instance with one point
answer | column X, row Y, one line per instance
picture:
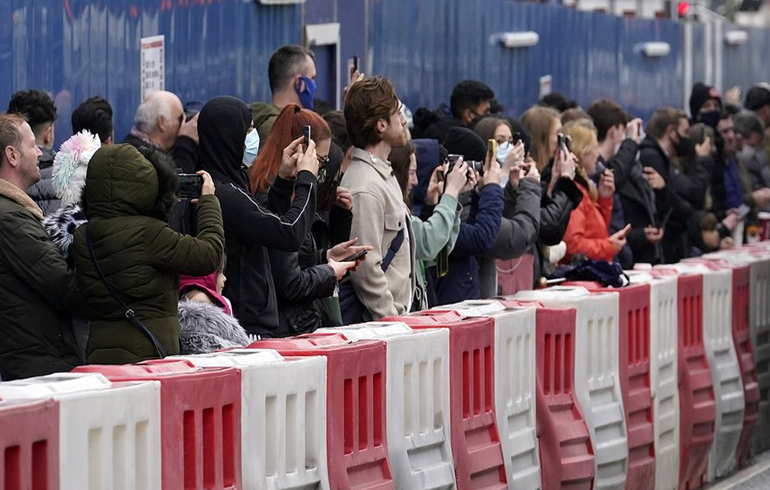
column 222, row 126
column 261, row 112
column 119, row 182
column 207, row 284
column 205, row 328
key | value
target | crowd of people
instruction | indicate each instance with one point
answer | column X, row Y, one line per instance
column 305, row 220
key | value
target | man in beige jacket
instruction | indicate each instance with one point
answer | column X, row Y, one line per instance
column 375, row 124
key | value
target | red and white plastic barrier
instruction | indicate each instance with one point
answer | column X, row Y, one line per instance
column 356, row 406
column 476, row 447
column 283, row 425
column 109, row 433
column 200, row 421
column 664, row 378
column 597, row 376
column 515, row 375
column 417, row 387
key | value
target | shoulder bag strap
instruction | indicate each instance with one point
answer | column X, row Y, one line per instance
column 128, row 312
column 393, row 249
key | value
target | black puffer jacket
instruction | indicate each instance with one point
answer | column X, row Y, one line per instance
column 555, row 211
column 43, row 193
column 250, row 227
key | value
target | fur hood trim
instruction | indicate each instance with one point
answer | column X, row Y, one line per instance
column 207, row 328
column 20, row 197
column 74, row 153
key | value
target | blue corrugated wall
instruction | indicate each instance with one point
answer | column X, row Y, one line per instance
column 78, row 48
column 428, row 46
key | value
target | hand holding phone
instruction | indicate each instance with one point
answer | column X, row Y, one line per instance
column 618, row 239
column 355, row 256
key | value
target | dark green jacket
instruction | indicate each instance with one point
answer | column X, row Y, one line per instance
column 139, row 254
column 264, row 116
column 37, row 293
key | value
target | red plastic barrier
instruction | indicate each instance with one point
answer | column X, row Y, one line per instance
column 200, row 411
column 29, row 443
column 566, row 453
column 356, row 414
column 634, row 364
column 697, row 406
column 476, row 448
column 745, row 351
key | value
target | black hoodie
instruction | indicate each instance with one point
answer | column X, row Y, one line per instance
column 249, row 227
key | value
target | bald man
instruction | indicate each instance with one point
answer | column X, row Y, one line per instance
column 160, row 122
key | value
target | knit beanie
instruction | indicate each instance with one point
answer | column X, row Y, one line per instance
column 700, row 94
column 463, row 141
column 70, row 164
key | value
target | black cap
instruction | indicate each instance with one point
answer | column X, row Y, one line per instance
column 757, row 97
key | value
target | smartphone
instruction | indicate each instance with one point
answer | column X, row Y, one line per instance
column 190, row 186
column 352, row 68
column 492, row 149
column 560, row 145
column 355, row 256
column 515, row 138
column 306, row 134
column 743, row 211
column 627, row 229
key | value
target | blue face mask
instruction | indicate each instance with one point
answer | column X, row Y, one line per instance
column 252, row 147
column 306, row 96
column 502, row 151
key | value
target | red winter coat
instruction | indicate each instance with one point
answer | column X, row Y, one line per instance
column 588, row 229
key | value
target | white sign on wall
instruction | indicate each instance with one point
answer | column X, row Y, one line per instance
column 546, row 83
column 152, row 64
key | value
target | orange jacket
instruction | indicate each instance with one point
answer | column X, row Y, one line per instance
column 588, row 229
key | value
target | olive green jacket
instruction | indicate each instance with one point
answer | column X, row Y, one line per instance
column 141, row 256
column 37, row 293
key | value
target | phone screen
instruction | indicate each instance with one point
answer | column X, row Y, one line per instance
column 306, row 134
column 190, row 186
column 355, row 256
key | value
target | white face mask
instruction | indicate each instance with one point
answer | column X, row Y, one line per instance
column 502, row 151
column 252, row 147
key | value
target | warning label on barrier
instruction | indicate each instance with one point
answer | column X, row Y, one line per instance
column 152, row 64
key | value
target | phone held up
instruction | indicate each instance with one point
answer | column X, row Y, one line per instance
column 306, row 135
column 564, row 143
column 491, row 150
column 190, row 186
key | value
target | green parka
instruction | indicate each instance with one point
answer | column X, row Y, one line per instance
column 140, row 255
column 37, row 293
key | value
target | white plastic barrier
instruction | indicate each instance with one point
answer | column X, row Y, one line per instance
column 109, row 435
column 515, row 371
column 417, row 393
column 723, row 364
column 283, row 417
column 664, row 378
column 759, row 322
column 597, row 383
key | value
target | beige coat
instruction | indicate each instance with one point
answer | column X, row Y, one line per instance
column 379, row 213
